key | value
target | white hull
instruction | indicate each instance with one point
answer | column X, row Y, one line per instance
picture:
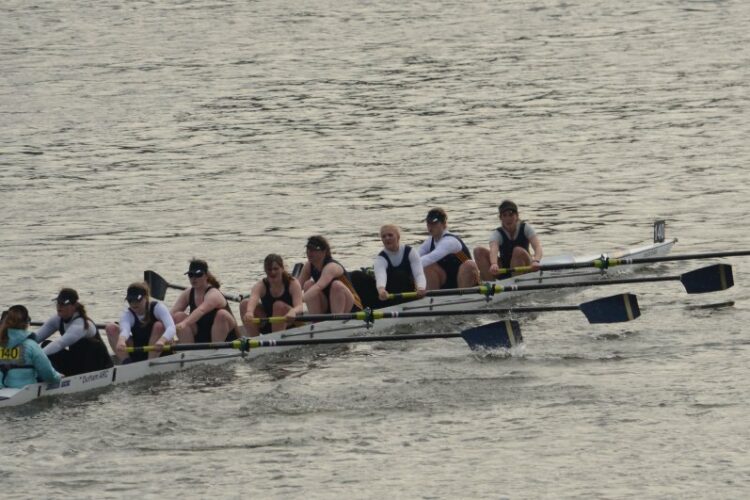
column 328, row 329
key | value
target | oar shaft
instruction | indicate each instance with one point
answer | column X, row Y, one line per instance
column 235, row 344
column 260, row 342
column 363, row 315
column 493, row 289
column 255, row 342
column 611, row 262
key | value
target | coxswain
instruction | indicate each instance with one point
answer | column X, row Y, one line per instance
column 22, row 360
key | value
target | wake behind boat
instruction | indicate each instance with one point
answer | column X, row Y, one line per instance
column 348, row 328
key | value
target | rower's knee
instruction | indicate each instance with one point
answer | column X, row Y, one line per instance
column 481, row 254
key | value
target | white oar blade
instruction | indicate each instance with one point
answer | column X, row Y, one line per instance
column 500, row 334
column 615, row 309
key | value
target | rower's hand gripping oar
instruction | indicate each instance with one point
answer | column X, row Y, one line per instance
column 614, row 309
column 500, row 334
column 159, row 285
column 605, row 262
column 706, row 279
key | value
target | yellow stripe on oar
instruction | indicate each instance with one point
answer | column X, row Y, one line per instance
column 628, row 308
column 723, row 277
column 511, row 333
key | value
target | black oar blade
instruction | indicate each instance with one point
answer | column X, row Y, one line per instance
column 708, row 279
column 297, row 269
column 156, row 283
column 506, row 334
column 615, row 309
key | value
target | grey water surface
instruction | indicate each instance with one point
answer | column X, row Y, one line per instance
column 136, row 135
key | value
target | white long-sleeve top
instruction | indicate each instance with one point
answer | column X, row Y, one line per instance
column 443, row 247
column 161, row 313
column 380, row 267
column 74, row 331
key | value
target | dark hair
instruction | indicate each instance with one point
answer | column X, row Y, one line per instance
column 273, row 258
column 15, row 317
column 200, row 263
column 319, row 243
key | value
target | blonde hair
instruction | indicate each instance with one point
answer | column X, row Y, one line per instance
column 392, row 227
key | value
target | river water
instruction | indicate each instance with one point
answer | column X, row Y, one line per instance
column 136, row 135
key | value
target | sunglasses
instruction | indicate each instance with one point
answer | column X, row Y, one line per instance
column 194, row 275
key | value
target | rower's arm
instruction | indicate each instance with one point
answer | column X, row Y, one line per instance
column 212, row 300
column 417, row 271
column 537, row 246
column 181, row 303
column 259, row 289
column 445, row 246
column 379, row 268
column 494, row 252
column 330, row 272
column 295, row 289
column 162, row 314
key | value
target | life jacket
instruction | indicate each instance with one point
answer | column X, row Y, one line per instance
column 11, row 358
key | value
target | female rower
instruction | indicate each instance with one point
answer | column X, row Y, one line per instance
column 22, row 361
column 80, row 348
column 326, row 284
column 209, row 318
column 510, row 245
column 278, row 294
column 397, row 267
column 144, row 322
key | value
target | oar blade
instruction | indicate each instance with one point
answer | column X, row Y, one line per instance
column 708, row 279
column 500, row 334
column 156, row 283
column 615, row 309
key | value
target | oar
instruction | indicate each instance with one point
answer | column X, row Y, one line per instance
column 605, row 262
column 706, row 279
column 506, row 334
column 159, row 285
column 614, row 309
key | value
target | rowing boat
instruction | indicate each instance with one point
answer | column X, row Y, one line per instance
column 331, row 329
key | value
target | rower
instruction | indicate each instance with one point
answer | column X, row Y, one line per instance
column 278, row 294
column 509, row 245
column 397, row 267
column 80, row 348
column 209, row 318
column 326, row 284
column 143, row 322
column 445, row 258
